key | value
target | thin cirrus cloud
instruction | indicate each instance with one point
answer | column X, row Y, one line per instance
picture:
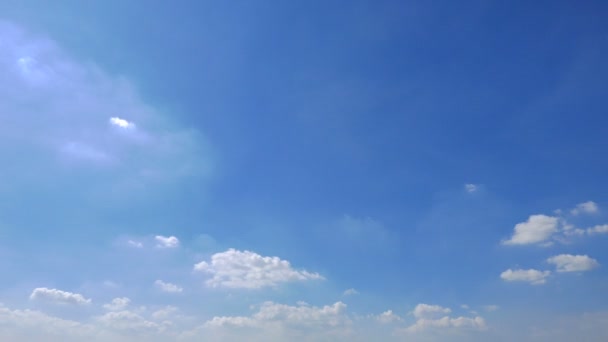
column 531, row 276
column 573, row 263
column 55, row 296
column 73, row 129
column 245, row 269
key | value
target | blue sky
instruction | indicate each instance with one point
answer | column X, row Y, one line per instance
column 327, row 170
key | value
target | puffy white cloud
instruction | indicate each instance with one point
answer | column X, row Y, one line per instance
column 532, row 276
column 588, row 207
column 121, row 123
column 573, row 263
column 537, row 229
column 168, row 287
column 166, row 241
column 430, row 317
column 117, row 304
column 128, row 321
column 350, row 292
column 388, row 317
column 430, row 311
column 245, row 269
column 471, row 188
column 58, row 296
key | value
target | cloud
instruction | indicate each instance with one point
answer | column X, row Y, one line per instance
column 471, row 188
column 350, row 292
column 588, row 207
column 135, row 244
column 168, row 287
column 388, row 317
column 121, row 123
column 60, row 112
column 58, row 297
column 531, row 276
column 429, row 311
column 117, row 304
column 166, row 242
column 599, row 229
column 437, row 317
column 280, row 322
column 245, row 269
column 573, row 263
column 537, row 229
column 128, row 321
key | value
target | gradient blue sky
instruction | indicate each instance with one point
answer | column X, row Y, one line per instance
column 319, row 170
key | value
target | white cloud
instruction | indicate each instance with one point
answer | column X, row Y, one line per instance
column 471, row 188
column 165, row 313
column 573, row 263
column 166, row 241
column 437, row 317
column 531, row 276
column 168, row 287
column 128, row 321
column 537, row 229
column 245, row 269
column 430, row 311
column 388, row 317
column 350, row 292
column 117, row 304
column 588, row 207
column 599, row 229
column 58, row 296
column 121, row 123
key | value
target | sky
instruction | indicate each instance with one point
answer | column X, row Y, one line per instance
column 303, row 171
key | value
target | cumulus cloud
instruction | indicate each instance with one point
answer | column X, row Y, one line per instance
column 117, row 304
column 573, row 263
column 532, row 276
column 128, row 321
column 135, row 244
column 588, row 207
column 431, row 317
column 166, row 241
column 388, row 317
column 245, row 269
column 58, row 297
column 168, row 287
column 430, row 311
column 537, row 229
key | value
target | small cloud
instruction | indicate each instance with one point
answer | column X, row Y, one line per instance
column 537, row 229
column 599, row 229
column 121, row 123
column 588, row 207
column 532, row 276
column 166, row 242
column 437, row 317
column 168, row 287
column 117, row 304
column 427, row 311
column 471, row 188
column 350, row 292
column 464, row 306
column 58, row 296
column 135, row 244
column 573, row 263
column 388, row 317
